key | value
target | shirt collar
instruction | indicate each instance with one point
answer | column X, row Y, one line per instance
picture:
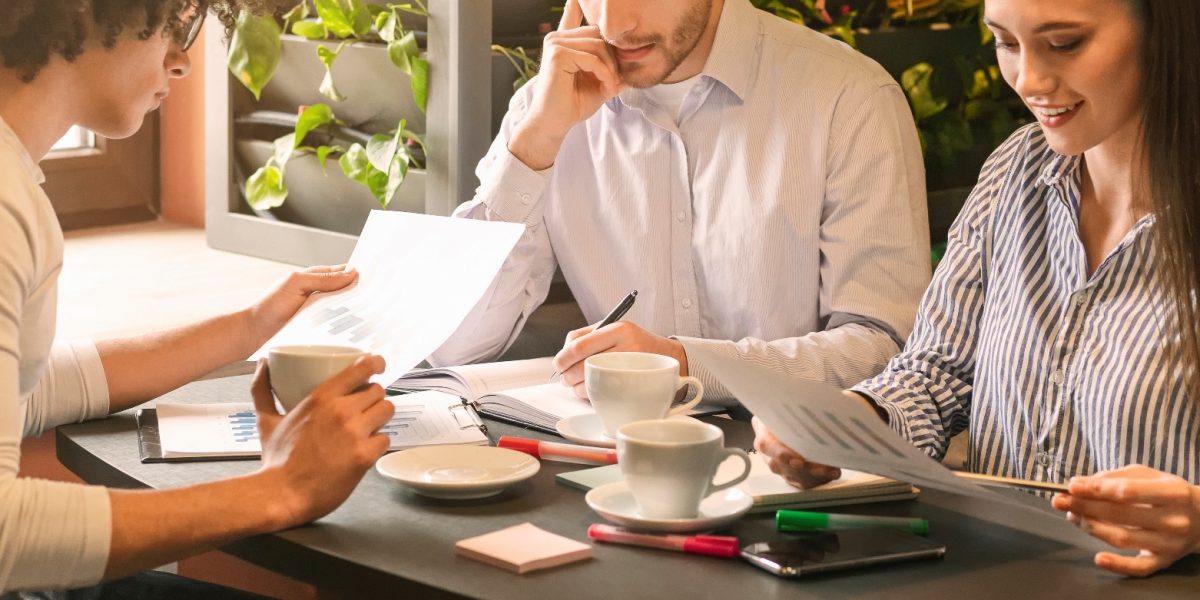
column 1059, row 168
column 733, row 59
column 9, row 138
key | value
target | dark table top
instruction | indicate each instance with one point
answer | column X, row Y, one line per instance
column 387, row 541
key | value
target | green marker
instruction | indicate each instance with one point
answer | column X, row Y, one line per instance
column 798, row 520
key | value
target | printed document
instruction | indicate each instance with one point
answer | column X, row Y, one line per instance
column 826, row 427
column 418, row 277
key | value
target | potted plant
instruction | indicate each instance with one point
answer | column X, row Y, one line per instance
column 328, row 120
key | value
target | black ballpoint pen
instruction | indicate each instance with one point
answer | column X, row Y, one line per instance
column 612, row 317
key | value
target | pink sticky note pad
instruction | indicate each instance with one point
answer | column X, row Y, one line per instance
column 523, row 548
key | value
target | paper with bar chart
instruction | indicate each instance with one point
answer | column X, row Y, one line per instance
column 826, row 427
column 230, row 430
column 419, row 276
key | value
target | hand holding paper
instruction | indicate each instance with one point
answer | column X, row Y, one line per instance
column 418, row 277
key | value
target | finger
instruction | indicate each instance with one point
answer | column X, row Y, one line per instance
column 323, row 281
column 1142, row 565
column 580, row 391
column 577, row 333
column 351, row 378
column 574, row 62
column 586, row 40
column 1161, row 490
column 1131, row 515
column 578, row 349
column 574, row 376
column 572, row 16
column 325, row 268
column 264, row 400
column 1127, row 538
column 375, row 415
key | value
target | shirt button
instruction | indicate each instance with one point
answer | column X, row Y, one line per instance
column 687, row 303
column 680, row 216
column 1043, row 459
column 1057, row 377
column 526, row 199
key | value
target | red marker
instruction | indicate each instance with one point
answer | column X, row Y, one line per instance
column 724, row 546
column 588, row 455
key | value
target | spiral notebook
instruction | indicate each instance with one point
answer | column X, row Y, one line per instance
column 177, row 432
column 514, row 391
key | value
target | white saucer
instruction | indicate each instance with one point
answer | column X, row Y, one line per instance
column 587, row 429
column 615, row 502
column 458, row 472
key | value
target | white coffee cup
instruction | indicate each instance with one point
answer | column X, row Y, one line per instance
column 296, row 370
column 669, row 465
column 624, row 387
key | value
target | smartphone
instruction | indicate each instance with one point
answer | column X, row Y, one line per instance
column 815, row 552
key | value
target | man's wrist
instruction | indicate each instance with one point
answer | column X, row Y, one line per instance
column 534, row 146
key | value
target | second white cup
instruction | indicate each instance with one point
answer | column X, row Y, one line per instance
column 296, row 370
column 669, row 465
column 624, row 387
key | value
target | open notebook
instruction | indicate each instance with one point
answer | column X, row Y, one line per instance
column 516, row 391
column 770, row 491
column 181, row 432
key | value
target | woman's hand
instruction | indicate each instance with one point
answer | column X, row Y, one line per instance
column 786, row 462
column 270, row 314
column 1136, row 508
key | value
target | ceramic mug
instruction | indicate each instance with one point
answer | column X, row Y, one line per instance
column 669, row 465
column 624, row 387
column 297, row 370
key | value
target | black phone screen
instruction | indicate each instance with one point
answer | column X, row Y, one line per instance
column 822, row 551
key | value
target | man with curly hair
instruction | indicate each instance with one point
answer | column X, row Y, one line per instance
column 102, row 65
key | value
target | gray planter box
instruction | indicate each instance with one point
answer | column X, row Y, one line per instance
column 326, row 199
column 457, row 126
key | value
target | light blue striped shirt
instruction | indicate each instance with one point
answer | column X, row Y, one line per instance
column 1055, row 372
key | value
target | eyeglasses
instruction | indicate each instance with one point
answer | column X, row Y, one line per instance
column 190, row 27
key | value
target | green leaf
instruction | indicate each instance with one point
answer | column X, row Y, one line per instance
column 313, row 116
column 298, row 13
column 328, row 89
column 380, row 150
column 265, row 188
column 384, row 25
column 284, row 146
column 323, row 154
column 403, row 51
column 310, row 30
column 254, row 51
column 915, row 80
column 336, row 17
column 356, row 166
column 360, row 18
column 420, row 82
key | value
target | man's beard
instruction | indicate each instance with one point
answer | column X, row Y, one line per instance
column 683, row 41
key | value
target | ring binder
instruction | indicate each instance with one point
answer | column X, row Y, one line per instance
column 469, row 408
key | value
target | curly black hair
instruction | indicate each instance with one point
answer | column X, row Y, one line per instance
column 32, row 31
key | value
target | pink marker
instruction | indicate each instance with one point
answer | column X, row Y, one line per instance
column 588, row 455
column 724, row 546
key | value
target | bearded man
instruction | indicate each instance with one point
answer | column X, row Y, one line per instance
column 758, row 183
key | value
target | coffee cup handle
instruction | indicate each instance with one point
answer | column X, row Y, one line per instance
column 738, row 452
column 690, row 404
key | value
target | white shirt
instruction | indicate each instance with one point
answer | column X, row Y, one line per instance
column 670, row 96
column 52, row 534
column 783, row 220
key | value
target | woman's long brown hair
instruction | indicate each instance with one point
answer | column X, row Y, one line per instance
column 1170, row 153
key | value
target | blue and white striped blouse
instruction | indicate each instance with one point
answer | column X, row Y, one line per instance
column 1055, row 373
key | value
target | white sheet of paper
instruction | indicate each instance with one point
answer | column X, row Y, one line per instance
column 825, row 426
column 418, row 277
